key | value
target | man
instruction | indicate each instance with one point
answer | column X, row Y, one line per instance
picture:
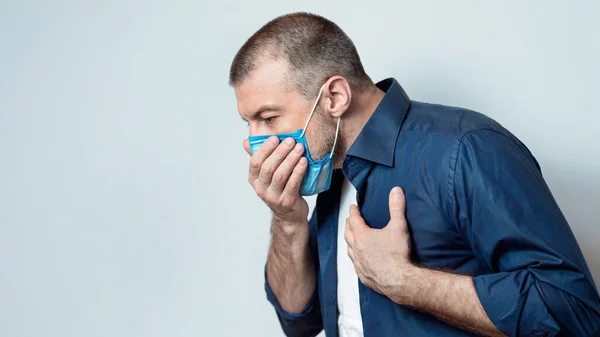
column 430, row 220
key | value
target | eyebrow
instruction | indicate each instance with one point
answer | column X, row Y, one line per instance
column 263, row 109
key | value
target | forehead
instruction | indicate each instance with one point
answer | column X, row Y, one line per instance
column 265, row 85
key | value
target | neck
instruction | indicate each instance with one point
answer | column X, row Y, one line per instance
column 363, row 105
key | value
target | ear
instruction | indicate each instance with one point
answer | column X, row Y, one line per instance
column 339, row 95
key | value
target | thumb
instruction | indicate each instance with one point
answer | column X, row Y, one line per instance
column 397, row 205
column 246, row 144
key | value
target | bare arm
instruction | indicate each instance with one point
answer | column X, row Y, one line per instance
column 290, row 266
column 449, row 297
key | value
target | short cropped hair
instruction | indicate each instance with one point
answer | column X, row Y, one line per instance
column 314, row 47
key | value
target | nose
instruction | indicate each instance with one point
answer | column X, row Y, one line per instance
column 254, row 129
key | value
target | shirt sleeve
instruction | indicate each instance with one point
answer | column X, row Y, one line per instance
column 539, row 283
column 309, row 322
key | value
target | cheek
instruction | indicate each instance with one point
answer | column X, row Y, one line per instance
column 315, row 141
column 289, row 123
column 312, row 145
column 263, row 128
column 320, row 136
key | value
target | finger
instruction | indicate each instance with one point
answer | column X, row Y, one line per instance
column 257, row 159
column 355, row 211
column 351, row 254
column 292, row 187
column 273, row 161
column 246, row 145
column 283, row 172
column 397, row 205
column 356, row 220
column 348, row 235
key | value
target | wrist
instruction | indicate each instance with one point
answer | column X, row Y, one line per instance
column 404, row 283
column 294, row 234
column 289, row 227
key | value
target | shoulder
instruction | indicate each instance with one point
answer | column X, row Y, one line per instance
column 451, row 128
column 450, row 121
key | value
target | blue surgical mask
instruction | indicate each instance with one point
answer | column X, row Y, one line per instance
column 318, row 174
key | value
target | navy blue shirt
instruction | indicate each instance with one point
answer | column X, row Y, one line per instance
column 477, row 204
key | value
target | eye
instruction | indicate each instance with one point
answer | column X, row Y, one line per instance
column 270, row 120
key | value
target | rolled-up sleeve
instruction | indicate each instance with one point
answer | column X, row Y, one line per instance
column 308, row 322
column 539, row 283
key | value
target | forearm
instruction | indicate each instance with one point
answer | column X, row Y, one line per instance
column 449, row 297
column 290, row 267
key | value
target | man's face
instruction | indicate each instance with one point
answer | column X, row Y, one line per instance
column 270, row 105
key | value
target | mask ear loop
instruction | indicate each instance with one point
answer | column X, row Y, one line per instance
column 337, row 129
column 313, row 110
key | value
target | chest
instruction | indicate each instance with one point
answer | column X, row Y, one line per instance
column 435, row 241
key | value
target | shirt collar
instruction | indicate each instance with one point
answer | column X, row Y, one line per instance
column 376, row 142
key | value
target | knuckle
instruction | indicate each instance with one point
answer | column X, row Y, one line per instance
column 401, row 224
column 286, row 203
column 357, row 243
column 292, row 182
column 279, row 178
column 255, row 163
column 266, row 169
column 260, row 191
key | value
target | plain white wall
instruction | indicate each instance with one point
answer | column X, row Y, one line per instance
column 124, row 207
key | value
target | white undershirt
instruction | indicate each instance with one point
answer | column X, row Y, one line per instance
column 350, row 321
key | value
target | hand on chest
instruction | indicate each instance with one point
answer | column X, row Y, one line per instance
column 433, row 240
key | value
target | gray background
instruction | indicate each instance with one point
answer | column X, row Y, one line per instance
column 124, row 207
